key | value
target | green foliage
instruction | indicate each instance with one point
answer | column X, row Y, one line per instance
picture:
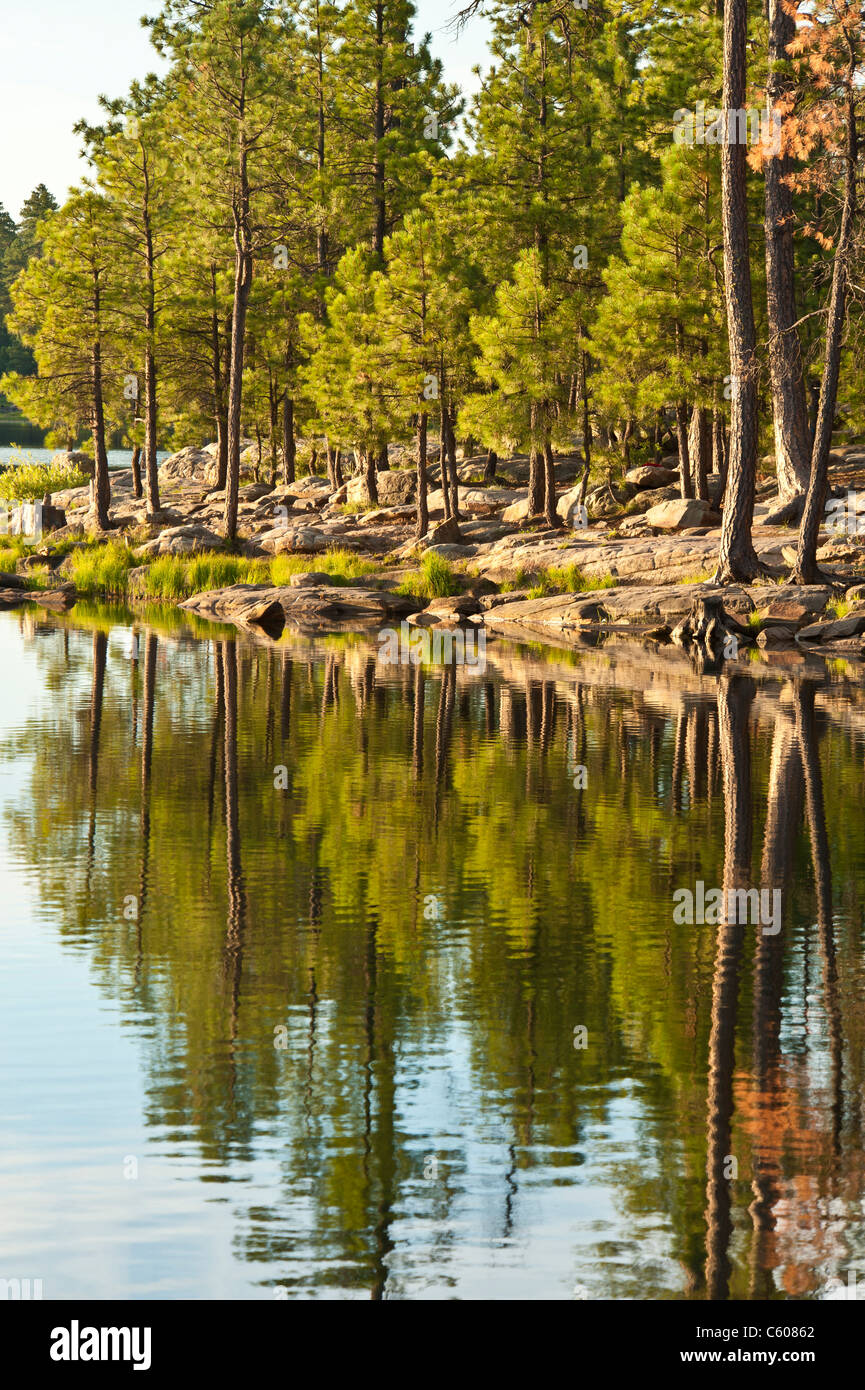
column 102, row 569
column 435, row 579
column 28, row 482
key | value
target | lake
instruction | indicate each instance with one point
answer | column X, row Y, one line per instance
column 328, row 979
column 117, row 458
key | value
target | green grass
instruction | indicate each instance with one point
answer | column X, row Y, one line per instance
column 102, row 569
column 343, row 566
column 567, row 579
column 436, row 579
column 840, row 607
column 28, row 482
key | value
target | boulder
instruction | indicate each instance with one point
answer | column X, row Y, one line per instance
column 190, row 465
column 776, row 636
column 395, row 486
column 679, row 515
column 485, row 501
column 310, row 579
column 183, row 540
column 517, row 512
column 644, row 501
column 784, row 613
column 444, row 533
column 566, row 506
column 851, row 626
column 651, row 476
column 74, row 458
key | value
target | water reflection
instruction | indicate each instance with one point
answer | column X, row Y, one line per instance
column 372, row 906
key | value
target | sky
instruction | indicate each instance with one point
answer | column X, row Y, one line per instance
column 62, row 53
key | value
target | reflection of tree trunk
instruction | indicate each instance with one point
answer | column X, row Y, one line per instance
column 233, row 951
column 417, row 722
column 734, row 698
column 678, row 759
column 214, row 741
column 784, row 810
column 150, row 653
column 285, row 705
column 806, row 727
column 97, row 687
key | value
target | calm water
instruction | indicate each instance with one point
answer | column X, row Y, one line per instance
column 25, row 453
column 294, row 948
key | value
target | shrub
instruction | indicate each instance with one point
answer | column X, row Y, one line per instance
column 28, row 482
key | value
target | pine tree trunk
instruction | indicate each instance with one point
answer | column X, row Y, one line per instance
column 219, row 412
column 536, row 474
column 698, row 451
column 490, row 467
column 101, row 481
column 422, row 508
column 137, row 489
column 737, row 560
column 289, row 447
column 685, row 484
column 452, row 464
column 806, row 571
column 150, row 408
column 242, row 288
column 550, row 512
column 150, row 425
column 789, row 404
column 368, row 457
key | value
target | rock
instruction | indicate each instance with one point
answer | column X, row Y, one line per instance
column 389, row 516
column 854, row 595
column 14, row 581
column 634, row 526
column 310, row 579
column 443, row 533
column 484, row 501
column 566, row 506
column 776, row 636
column 851, row 626
column 191, row 464
column 457, row 606
column 678, row 515
column 340, row 496
column 12, row 598
column 783, row 515
column 395, row 486
column 454, row 551
column 517, row 512
column 54, row 598
column 307, row 608
column 183, row 540
column 644, row 501
column 74, row 458
column 781, row 613
column 253, row 491
column 651, row 476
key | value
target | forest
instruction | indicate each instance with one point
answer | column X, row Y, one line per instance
column 642, row 232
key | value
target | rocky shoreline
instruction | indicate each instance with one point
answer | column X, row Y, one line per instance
column 650, row 553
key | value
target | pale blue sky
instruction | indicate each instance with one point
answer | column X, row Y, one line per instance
column 60, row 55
